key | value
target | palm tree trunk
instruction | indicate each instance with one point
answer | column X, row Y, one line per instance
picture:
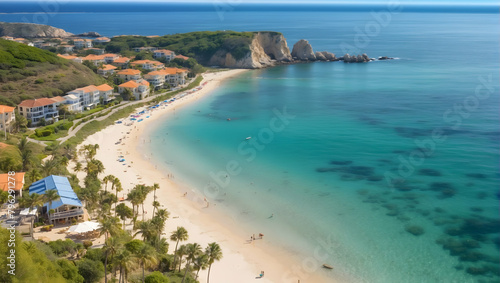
column 143, row 272
column 106, row 268
column 175, row 254
column 143, row 211
column 180, row 263
column 116, row 201
column 208, row 277
column 185, row 272
column 121, row 273
column 197, row 272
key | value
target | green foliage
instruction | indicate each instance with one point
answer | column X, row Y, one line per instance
column 29, row 72
column 32, row 265
column 199, row 45
column 134, row 246
column 156, row 277
column 92, row 271
column 95, row 255
column 10, row 159
column 69, row 271
column 62, row 248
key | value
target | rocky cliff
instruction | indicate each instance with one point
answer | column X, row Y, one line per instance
column 27, row 30
column 266, row 49
column 303, row 51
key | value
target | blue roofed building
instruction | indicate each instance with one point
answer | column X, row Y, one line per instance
column 68, row 207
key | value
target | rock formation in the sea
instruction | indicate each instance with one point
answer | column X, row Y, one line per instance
column 356, row 59
column 266, row 49
column 303, row 51
column 325, row 56
column 27, row 30
column 89, row 34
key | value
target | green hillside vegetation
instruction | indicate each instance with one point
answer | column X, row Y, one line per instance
column 199, row 45
column 29, row 72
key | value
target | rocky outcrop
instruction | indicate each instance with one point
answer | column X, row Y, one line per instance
column 89, row 34
column 303, row 51
column 356, row 59
column 266, row 49
column 325, row 56
column 27, row 30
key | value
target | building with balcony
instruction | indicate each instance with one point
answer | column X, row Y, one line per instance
column 7, row 118
column 129, row 74
column 68, row 206
column 163, row 53
column 36, row 109
column 88, row 97
column 139, row 88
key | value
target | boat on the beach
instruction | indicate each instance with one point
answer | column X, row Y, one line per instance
column 327, row 266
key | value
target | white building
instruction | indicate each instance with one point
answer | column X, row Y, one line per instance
column 83, row 43
column 129, row 74
column 139, row 88
column 36, row 109
column 7, row 118
column 168, row 54
column 88, row 97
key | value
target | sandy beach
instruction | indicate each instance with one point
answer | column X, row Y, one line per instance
column 243, row 260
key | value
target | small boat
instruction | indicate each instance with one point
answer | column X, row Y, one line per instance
column 229, row 119
column 248, row 138
column 327, row 266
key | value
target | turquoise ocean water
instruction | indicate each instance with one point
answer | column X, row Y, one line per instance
column 390, row 169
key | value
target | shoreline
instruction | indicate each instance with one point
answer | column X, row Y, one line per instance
column 243, row 260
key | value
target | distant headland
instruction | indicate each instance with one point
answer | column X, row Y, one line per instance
column 229, row 49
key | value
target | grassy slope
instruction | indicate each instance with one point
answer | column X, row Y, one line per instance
column 29, row 72
column 199, row 45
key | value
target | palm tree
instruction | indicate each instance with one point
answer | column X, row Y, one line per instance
column 94, row 168
column 109, row 225
column 182, row 251
column 181, row 234
column 156, row 204
column 49, row 167
column 26, row 157
column 135, row 199
column 108, row 178
column 126, row 262
column 147, row 257
column 193, row 251
column 117, row 185
column 155, row 187
column 147, row 229
column 50, row 196
column 34, row 175
column 200, row 262
column 123, row 212
column 111, row 246
column 214, row 252
column 78, row 167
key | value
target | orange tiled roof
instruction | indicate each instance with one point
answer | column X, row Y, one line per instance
column 129, row 84
column 93, row 57
column 30, row 103
column 6, row 109
column 142, row 62
column 104, row 87
column 144, row 82
column 182, row 57
column 108, row 67
column 110, row 55
column 19, row 181
column 163, row 51
column 69, row 57
column 58, row 98
column 122, row 60
column 156, row 73
column 129, row 72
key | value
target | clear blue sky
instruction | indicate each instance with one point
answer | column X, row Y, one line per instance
column 383, row 2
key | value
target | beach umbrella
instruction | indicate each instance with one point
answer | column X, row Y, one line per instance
column 84, row 227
